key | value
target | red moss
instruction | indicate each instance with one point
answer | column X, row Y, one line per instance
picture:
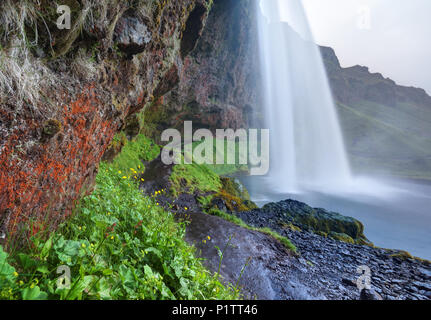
column 43, row 187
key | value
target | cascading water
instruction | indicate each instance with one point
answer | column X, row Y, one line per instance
column 307, row 150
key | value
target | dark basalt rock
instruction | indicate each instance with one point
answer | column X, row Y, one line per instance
column 367, row 294
column 315, row 220
column 332, row 265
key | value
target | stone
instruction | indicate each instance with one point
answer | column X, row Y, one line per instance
column 131, row 35
column 369, row 294
column 349, row 282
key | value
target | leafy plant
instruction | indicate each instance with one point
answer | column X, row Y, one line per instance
column 120, row 244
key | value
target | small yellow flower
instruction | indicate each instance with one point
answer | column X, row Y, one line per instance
column 209, row 238
column 80, row 228
column 15, row 274
column 157, row 204
column 83, row 245
column 142, row 179
column 204, row 241
column 124, row 177
column 119, row 172
column 112, row 237
column 21, row 283
column 109, row 213
column 185, row 208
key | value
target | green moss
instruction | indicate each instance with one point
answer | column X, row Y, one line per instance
column 289, row 226
column 192, row 178
column 404, row 255
column 135, row 152
column 234, row 219
column 341, row 237
column 319, row 220
column 283, row 240
column 225, row 168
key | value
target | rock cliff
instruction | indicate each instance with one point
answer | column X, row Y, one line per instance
column 65, row 93
column 216, row 86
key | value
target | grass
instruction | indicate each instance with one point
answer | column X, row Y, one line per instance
column 388, row 140
column 234, row 219
column 225, row 168
column 133, row 153
column 193, row 177
column 120, row 244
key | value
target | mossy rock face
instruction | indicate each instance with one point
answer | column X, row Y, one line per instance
column 234, row 195
column 234, row 187
column 341, row 237
column 317, row 220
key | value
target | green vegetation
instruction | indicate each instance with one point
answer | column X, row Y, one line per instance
column 388, row 140
column 404, row 255
column 133, row 153
column 234, row 219
column 120, row 244
column 321, row 221
column 225, row 168
column 341, row 237
column 193, row 177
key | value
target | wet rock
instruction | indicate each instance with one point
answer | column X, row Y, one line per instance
column 349, row 282
column 422, row 285
column 368, row 294
column 316, row 220
column 425, row 273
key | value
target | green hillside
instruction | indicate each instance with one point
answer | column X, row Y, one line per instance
column 387, row 127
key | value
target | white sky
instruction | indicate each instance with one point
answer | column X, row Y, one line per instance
column 393, row 39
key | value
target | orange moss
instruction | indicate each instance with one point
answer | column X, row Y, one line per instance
column 45, row 185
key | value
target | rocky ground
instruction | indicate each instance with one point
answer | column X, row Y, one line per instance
column 333, row 265
column 324, row 268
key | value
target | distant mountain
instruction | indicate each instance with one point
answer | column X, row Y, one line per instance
column 387, row 126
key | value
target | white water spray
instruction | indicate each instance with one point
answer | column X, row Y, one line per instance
column 307, row 149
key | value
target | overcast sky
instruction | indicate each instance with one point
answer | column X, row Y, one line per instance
column 392, row 37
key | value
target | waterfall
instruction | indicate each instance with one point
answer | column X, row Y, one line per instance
column 306, row 143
